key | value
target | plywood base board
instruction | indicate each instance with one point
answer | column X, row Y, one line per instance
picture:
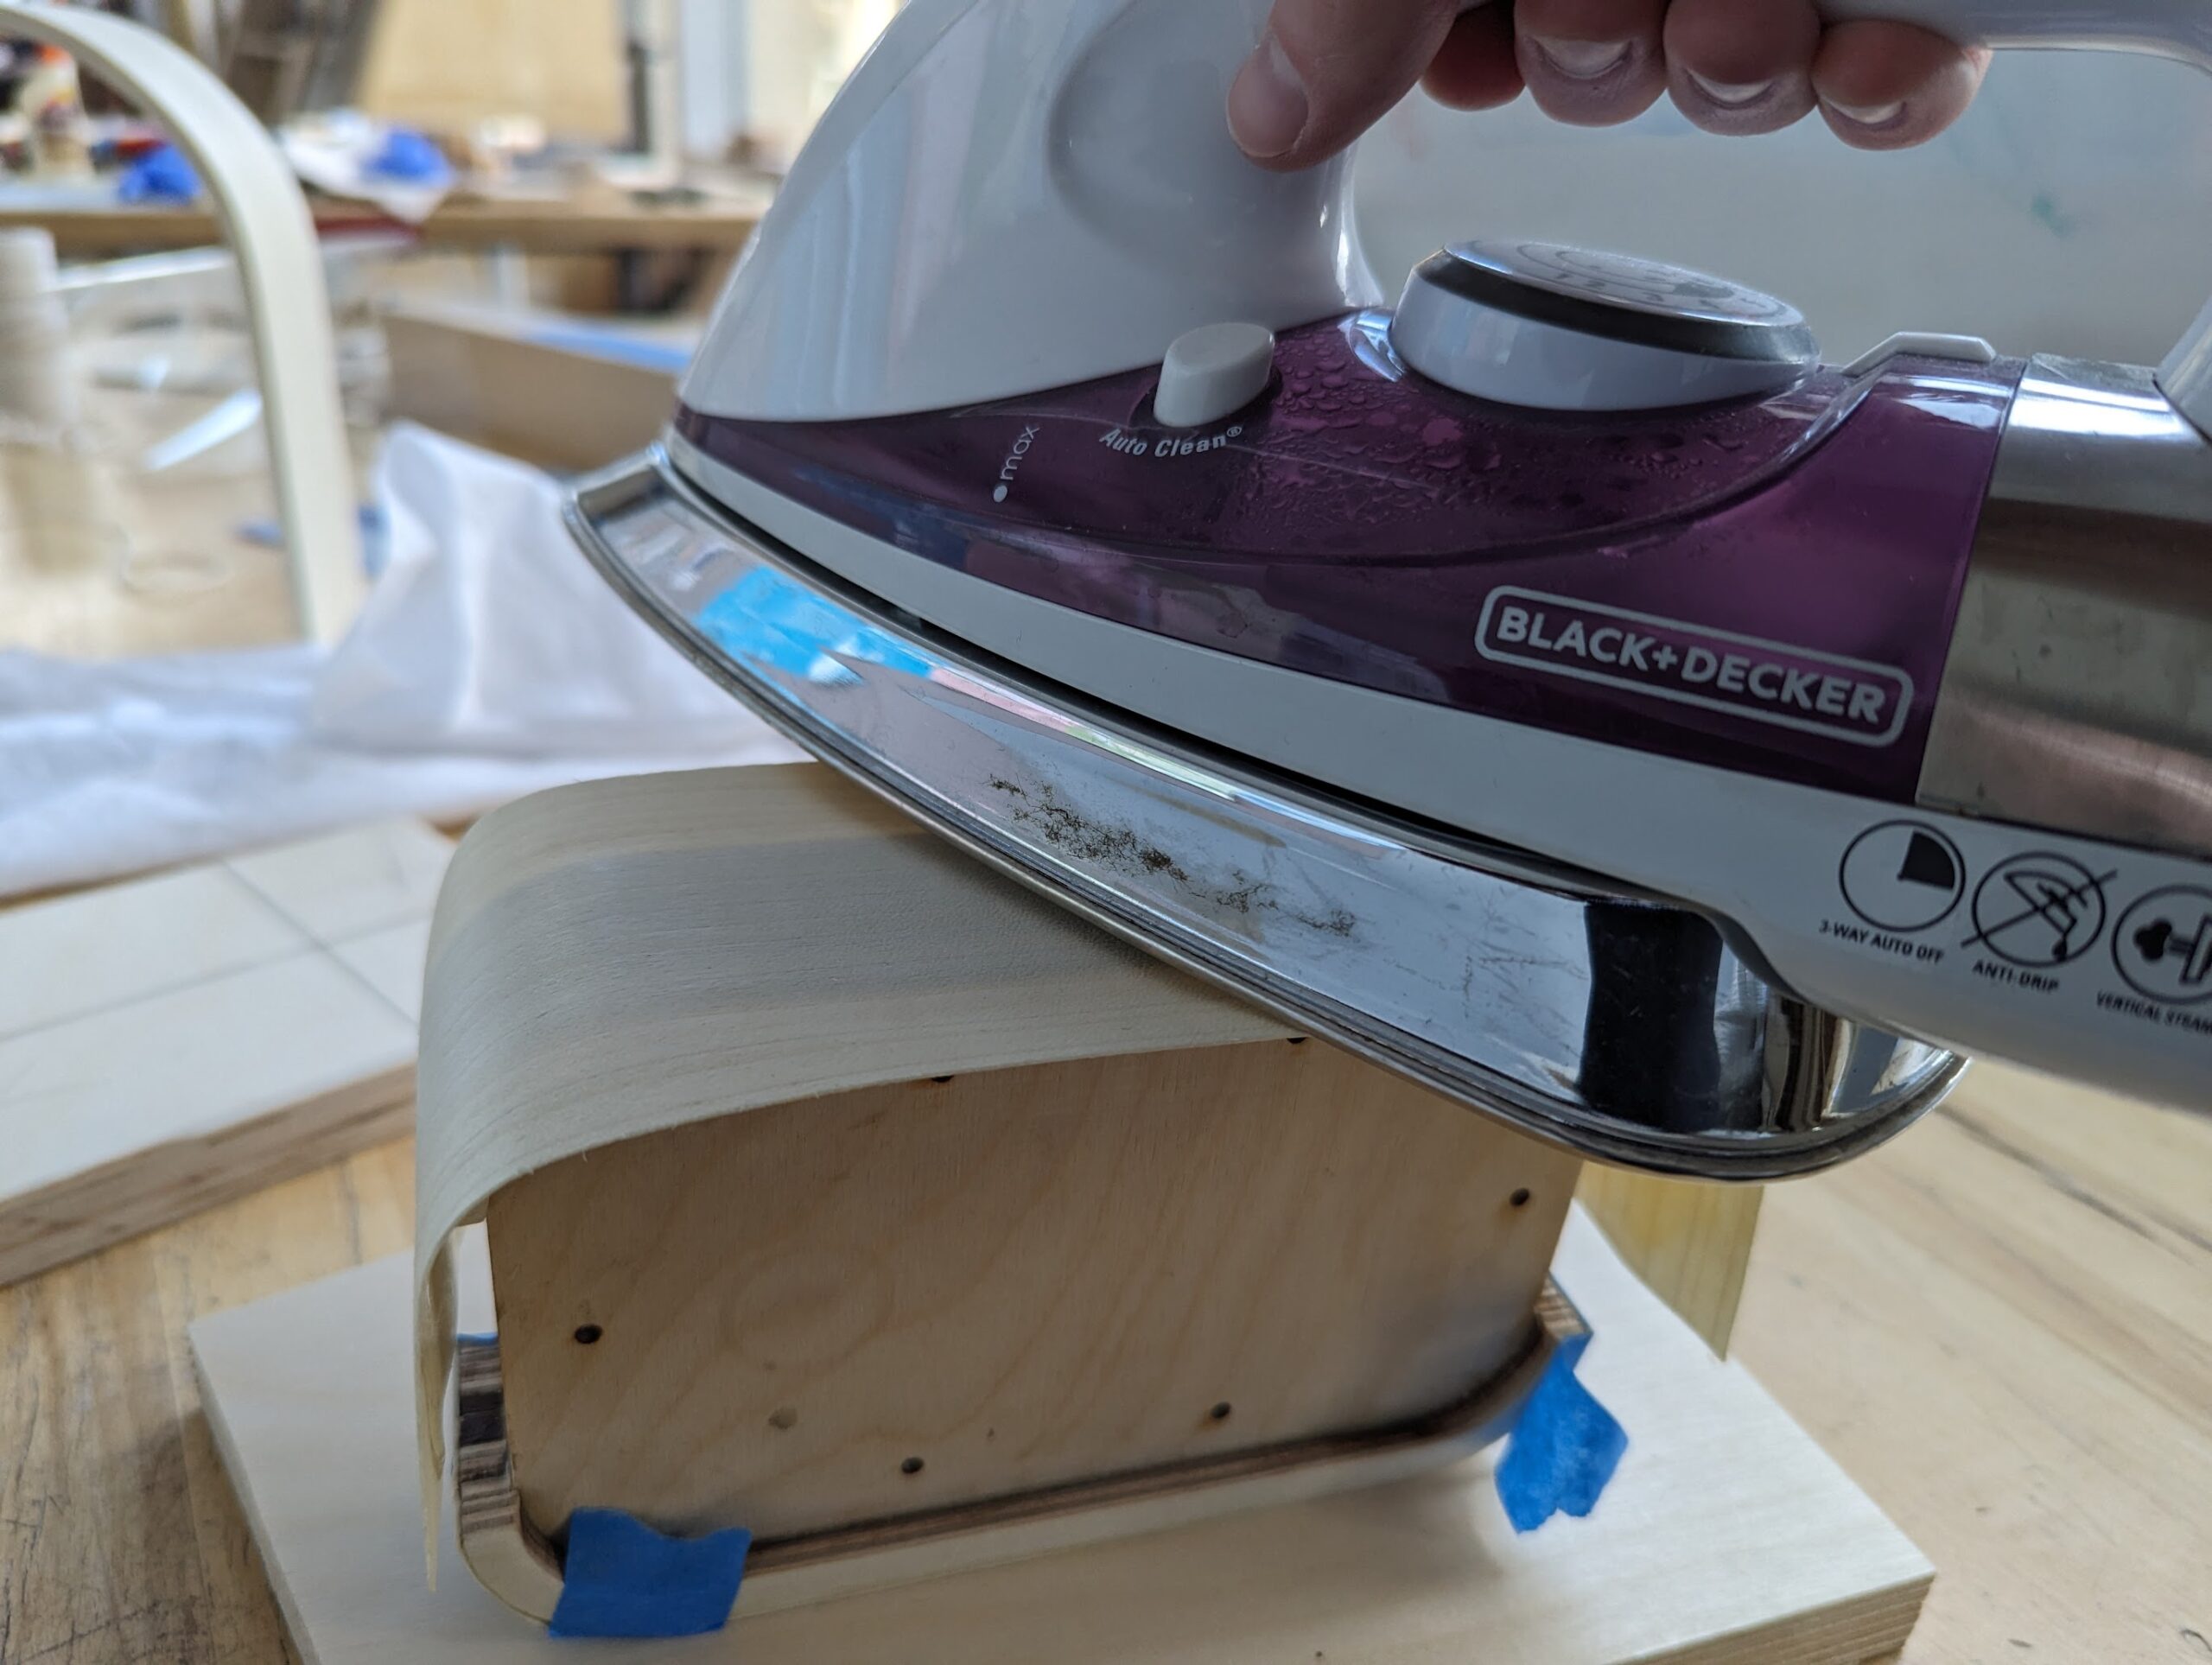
column 1727, row 1538
column 174, row 1041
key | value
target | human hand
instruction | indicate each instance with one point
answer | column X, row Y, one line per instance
column 1327, row 69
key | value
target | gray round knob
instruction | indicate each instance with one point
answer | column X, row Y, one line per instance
column 1552, row 327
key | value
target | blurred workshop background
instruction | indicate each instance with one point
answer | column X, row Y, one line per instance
column 524, row 210
column 490, row 172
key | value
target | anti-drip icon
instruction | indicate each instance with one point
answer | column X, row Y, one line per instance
column 2039, row 910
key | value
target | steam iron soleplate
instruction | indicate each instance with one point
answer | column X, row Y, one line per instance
column 1617, row 1024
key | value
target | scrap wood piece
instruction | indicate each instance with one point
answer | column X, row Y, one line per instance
column 174, row 1041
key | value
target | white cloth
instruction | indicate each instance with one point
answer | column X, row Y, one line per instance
column 490, row 662
column 334, row 151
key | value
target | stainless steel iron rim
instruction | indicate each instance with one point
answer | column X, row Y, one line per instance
column 1765, row 1158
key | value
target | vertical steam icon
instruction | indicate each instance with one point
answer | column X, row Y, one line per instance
column 2163, row 946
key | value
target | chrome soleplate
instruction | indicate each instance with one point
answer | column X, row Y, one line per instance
column 1620, row 1025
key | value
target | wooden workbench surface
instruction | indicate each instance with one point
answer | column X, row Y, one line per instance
column 2001, row 1326
column 596, row 222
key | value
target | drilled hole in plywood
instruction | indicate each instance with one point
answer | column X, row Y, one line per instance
column 911, row 1465
column 940, row 1081
column 1219, row 1413
column 588, row 1333
column 1520, row 1198
column 783, row 1417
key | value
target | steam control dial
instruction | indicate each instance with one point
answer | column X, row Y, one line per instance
column 1550, row 327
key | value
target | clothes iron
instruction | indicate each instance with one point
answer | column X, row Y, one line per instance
column 1565, row 689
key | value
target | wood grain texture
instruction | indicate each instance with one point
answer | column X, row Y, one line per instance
column 2003, row 1326
column 120, row 1540
column 1690, row 1242
column 173, row 1041
column 1007, row 1282
column 1727, row 1537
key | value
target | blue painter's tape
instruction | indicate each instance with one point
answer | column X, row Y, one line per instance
column 1565, row 1447
column 767, row 616
column 162, row 174
column 613, row 344
column 622, row 1579
column 411, row 156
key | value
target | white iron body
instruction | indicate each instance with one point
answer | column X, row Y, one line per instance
column 1662, row 952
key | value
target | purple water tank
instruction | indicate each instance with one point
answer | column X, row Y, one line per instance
column 1766, row 586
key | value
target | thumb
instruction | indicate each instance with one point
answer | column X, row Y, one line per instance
column 1327, row 70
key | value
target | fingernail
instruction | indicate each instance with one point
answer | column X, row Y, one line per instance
column 1875, row 116
column 1583, row 60
column 1732, row 95
column 1267, row 101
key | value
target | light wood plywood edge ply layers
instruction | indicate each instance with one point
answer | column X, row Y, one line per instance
column 174, row 1041
column 1726, row 1538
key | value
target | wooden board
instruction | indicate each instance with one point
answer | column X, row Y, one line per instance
column 167, row 1043
column 2002, row 1325
column 1076, row 1270
column 518, row 383
column 1727, row 1537
column 1888, row 1306
column 1689, row 1240
column 447, row 64
column 595, row 221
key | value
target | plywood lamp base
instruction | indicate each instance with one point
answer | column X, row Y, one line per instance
column 1726, row 1538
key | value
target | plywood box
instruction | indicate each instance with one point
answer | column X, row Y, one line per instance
column 1122, row 1239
